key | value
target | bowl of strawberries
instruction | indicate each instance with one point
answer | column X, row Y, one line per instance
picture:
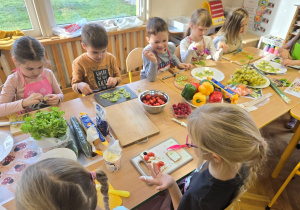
column 154, row 101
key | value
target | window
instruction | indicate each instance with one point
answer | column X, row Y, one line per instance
column 37, row 17
column 70, row 11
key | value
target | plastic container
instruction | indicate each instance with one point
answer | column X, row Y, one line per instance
column 271, row 49
column 266, row 48
column 187, row 108
column 181, row 23
column 112, row 161
column 276, row 51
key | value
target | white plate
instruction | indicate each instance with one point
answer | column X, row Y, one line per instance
column 6, row 144
column 218, row 75
column 59, row 153
column 281, row 68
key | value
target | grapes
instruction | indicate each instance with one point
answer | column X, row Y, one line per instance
column 247, row 76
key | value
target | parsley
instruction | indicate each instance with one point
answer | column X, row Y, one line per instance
column 47, row 124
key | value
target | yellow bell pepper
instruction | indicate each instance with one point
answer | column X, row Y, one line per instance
column 206, row 88
column 199, row 99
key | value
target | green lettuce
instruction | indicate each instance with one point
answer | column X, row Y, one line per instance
column 47, row 124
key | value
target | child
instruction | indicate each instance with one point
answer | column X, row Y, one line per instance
column 96, row 69
column 290, row 54
column 226, row 137
column 31, row 86
column 230, row 35
column 59, row 183
column 196, row 46
column 159, row 53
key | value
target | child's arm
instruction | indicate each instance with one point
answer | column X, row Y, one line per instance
column 77, row 80
column 216, row 55
column 186, row 51
column 164, row 181
column 115, row 79
column 290, row 62
column 150, row 65
column 7, row 95
column 57, row 96
column 221, row 42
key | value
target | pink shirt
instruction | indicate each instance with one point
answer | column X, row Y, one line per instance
column 13, row 92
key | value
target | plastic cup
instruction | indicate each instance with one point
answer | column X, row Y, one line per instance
column 112, row 161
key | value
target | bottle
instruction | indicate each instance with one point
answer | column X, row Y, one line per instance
column 276, row 51
column 271, row 49
column 266, row 47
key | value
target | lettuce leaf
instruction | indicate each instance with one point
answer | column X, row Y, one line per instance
column 47, row 124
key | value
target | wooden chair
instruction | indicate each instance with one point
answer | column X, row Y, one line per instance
column 134, row 60
column 177, row 52
column 294, row 172
column 295, row 112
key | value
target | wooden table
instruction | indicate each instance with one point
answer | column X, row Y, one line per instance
column 127, row 177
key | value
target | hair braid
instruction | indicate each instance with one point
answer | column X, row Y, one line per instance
column 102, row 178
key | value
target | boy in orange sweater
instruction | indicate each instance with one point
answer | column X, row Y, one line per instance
column 96, row 69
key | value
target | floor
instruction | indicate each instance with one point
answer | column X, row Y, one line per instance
column 265, row 187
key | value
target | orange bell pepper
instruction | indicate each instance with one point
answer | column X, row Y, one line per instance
column 199, row 99
column 206, row 88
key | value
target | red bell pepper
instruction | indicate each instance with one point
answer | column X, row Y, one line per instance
column 215, row 97
column 196, row 85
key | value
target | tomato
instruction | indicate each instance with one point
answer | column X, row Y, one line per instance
column 160, row 163
column 151, row 101
column 150, row 154
column 148, row 97
column 146, row 157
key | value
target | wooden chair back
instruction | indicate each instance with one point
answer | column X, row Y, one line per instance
column 134, row 60
column 177, row 52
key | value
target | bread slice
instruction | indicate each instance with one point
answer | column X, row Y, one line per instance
column 173, row 155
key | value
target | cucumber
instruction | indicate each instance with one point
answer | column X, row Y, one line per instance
column 81, row 137
column 72, row 144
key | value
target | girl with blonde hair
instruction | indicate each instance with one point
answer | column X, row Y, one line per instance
column 60, row 184
column 196, row 45
column 226, row 137
column 230, row 35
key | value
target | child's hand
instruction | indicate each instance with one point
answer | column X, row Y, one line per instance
column 34, row 98
column 287, row 62
column 111, row 82
column 185, row 66
column 199, row 48
column 52, row 99
column 223, row 45
column 149, row 55
column 285, row 54
column 84, row 88
column 163, row 181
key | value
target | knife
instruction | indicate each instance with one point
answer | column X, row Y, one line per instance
column 10, row 123
column 240, row 50
column 172, row 75
column 179, row 122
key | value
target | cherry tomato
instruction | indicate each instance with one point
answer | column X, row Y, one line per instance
column 150, row 154
column 148, row 97
column 146, row 157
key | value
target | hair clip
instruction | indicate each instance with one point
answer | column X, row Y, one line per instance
column 93, row 175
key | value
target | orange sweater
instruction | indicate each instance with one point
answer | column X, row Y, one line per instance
column 88, row 71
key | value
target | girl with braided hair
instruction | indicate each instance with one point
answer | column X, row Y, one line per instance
column 227, row 139
column 60, row 184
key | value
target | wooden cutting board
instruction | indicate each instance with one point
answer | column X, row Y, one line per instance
column 241, row 57
column 129, row 122
column 160, row 152
column 190, row 79
column 208, row 63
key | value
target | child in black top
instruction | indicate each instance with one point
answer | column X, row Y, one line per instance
column 226, row 136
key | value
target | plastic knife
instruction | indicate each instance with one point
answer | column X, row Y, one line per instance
column 10, row 123
column 172, row 75
column 179, row 122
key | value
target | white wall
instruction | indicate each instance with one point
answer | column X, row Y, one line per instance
column 173, row 8
column 284, row 17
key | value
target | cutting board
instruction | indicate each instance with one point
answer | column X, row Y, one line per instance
column 160, row 151
column 104, row 102
column 241, row 57
column 190, row 79
column 129, row 122
column 15, row 130
column 114, row 200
